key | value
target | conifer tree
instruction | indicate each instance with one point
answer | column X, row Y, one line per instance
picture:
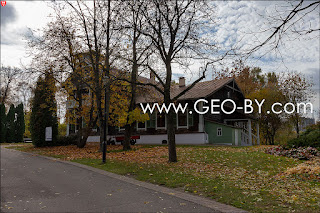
column 10, row 133
column 44, row 111
column 19, row 123
column 3, row 118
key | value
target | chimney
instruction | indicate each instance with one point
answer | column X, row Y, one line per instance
column 182, row 82
column 152, row 77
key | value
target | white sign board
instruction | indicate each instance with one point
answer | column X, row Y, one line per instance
column 49, row 133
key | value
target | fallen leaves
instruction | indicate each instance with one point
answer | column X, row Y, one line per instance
column 308, row 167
column 248, row 169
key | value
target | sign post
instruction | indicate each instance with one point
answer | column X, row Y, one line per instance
column 49, row 133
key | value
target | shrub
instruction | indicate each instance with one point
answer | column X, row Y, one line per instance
column 311, row 137
column 66, row 140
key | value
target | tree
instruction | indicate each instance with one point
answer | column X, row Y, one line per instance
column 8, row 76
column 27, row 133
column 297, row 90
column 133, row 56
column 10, row 133
column 3, row 122
column 77, row 88
column 249, row 79
column 178, row 34
column 19, row 123
column 97, row 39
column 271, row 92
column 290, row 21
column 92, row 27
column 44, row 111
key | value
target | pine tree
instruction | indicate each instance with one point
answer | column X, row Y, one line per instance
column 10, row 133
column 3, row 119
column 44, row 111
column 19, row 123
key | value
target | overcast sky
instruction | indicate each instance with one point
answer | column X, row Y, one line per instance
column 238, row 23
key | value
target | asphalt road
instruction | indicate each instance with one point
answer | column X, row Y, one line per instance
column 31, row 183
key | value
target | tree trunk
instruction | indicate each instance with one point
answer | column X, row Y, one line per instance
column 132, row 106
column 170, row 115
column 171, row 137
column 127, row 137
column 83, row 140
column 80, row 131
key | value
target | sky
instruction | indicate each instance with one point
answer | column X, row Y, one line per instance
column 238, row 22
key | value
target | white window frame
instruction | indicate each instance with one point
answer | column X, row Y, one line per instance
column 145, row 126
column 177, row 119
column 219, row 130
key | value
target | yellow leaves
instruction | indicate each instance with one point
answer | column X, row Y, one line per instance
column 137, row 115
column 43, row 105
column 134, row 116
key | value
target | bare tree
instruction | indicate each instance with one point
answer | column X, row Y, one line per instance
column 177, row 32
column 84, row 35
column 9, row 77
column 290, row 21
column 133, row 56
column 297, row 90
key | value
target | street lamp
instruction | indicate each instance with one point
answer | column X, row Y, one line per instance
column 104, row 143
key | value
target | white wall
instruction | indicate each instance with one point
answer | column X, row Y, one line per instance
column 190, row 138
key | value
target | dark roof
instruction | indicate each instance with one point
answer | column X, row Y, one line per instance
column 200, row 90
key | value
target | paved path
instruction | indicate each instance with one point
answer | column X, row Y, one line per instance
column 31, row 183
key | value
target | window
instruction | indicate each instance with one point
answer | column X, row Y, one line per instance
column 161, row 120
column 182, row 119
column 151, row 123
column 190, row 119
column 228, row 94
column 141, row 125
column 219, row 131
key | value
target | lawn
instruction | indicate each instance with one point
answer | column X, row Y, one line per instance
column 244, row 177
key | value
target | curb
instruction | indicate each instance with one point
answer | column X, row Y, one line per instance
column 182, row 195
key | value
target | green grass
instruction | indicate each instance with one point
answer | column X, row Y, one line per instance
column 5, row 144
column 255, row 190
column 244, row 177
column 17, row 147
